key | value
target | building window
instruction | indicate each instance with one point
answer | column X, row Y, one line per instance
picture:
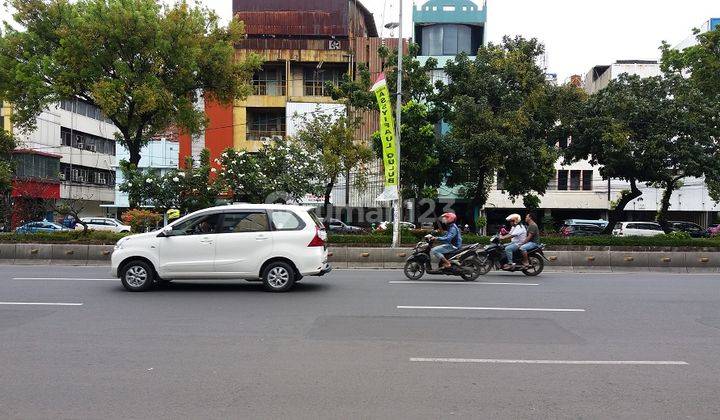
column 269, row 81
column 265, row 123
column 86, row 175
column 84, row 141
column 446, row 39
column 81, row 107
column 314, row 80
column 34, row 166
column 562, row 179
column 587, row 180
column 575, row 180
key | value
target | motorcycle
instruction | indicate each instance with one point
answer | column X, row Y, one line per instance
column 464, row 262
column 493, row 256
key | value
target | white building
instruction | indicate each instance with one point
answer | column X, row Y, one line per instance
column 599, row 76
column 85, row 139
column 161, row 155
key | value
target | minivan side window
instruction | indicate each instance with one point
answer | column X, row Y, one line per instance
column 201, row 225
column 244, row 221
column 286, row 220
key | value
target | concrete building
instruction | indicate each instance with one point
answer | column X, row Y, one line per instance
column 709, row 25
column 303, row 45
column 83, row 138
column 160, row 155
column 599, row 76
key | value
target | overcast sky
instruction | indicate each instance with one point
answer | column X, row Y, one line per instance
column 578, row 34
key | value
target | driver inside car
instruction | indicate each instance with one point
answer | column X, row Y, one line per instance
column 451, row 240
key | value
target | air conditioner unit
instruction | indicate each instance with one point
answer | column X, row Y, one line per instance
column 61, row 176
column 90, row 147
column 265, row 140
column 277, row 137
column 80, row 145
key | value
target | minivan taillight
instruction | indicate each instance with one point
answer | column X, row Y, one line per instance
column 319, row 238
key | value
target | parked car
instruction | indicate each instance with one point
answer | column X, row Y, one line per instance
column 338, row 226
column 103, row 223
column 598, row 222
column 41, row 227
column 693, row 229
column 637, row 229
column 713, row 230
column 403, row 225
column 581, row 230
column 273, row 243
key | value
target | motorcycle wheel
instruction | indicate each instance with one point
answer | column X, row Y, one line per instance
column 474, row 272
column 414, row 270
column 536, row 266
column 485, row 266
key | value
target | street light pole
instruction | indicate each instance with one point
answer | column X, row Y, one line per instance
column 397, row 211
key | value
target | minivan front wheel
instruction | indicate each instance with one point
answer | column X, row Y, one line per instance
column 278, row 277
column 137, row 276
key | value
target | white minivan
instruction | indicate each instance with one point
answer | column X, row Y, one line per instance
column 273, row 243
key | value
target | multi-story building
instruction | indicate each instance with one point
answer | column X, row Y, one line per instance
column 709, row 25
column 303, row 45
column 599, row 76
column 160, row 155
column 84, row 139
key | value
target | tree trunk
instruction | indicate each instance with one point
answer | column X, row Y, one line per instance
column 617, row 212
column 134, row 151
column 480, row 196
column 326, row 204
column 662, row 215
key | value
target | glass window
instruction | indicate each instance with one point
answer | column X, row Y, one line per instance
column 269, row 81
column 265, row 122
column 562, row 180
column 450, row 40
column 314, row 80
column 575, row 180
column 587, row 180
column 286, row 220
column 201, row 225
column 246, row 221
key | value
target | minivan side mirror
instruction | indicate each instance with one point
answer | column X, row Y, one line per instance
column 166, row 231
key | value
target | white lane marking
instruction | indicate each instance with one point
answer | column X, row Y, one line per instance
column 549, row 362
column 42, row 303
column 492, row 308
column 461, row 282
column 61, row 279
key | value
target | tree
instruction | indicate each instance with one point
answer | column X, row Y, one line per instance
column 7, row 145
column 643, row 130
column 72, row 207
column 279, row 171
column 188, row 190
column 700, row 65
column 143, row 64
column 421, row 164
column 331, row 137
column 505, row 117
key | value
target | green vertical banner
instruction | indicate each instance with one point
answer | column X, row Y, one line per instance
column 387, row 135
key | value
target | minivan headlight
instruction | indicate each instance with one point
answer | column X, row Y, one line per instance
column 119, row 244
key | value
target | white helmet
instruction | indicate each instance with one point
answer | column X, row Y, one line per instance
column 516, row 217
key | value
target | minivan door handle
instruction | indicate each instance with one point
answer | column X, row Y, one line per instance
column 206, row 240
column 261, row 237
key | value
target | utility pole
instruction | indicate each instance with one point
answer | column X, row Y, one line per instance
column 397, row 211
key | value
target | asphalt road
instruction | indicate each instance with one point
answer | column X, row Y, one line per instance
column 354, row 345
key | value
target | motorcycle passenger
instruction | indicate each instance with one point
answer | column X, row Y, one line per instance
column 531, row 239
column 517, row 236
column 452, row 240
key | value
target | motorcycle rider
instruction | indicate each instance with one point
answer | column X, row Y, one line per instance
column 517, row 236
column 531, row 239
column 452, row 240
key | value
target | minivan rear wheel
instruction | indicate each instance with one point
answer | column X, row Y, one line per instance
column 278, row 277
column 137, row 276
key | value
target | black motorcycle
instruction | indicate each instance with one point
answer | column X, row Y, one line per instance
column 463, row 262
column 493, row 256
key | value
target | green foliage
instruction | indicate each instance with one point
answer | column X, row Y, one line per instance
column 279, row 171
column 331, row 137
column 421, row 149
column 411, row 237
column 95, row 237
column 678, row 234
column 504, row 116
column 141, row 220
column 481, row 222
column 142, row 63
column 188, row 189
column 7, row 144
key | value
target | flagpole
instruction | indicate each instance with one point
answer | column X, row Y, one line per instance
column 397, row 211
